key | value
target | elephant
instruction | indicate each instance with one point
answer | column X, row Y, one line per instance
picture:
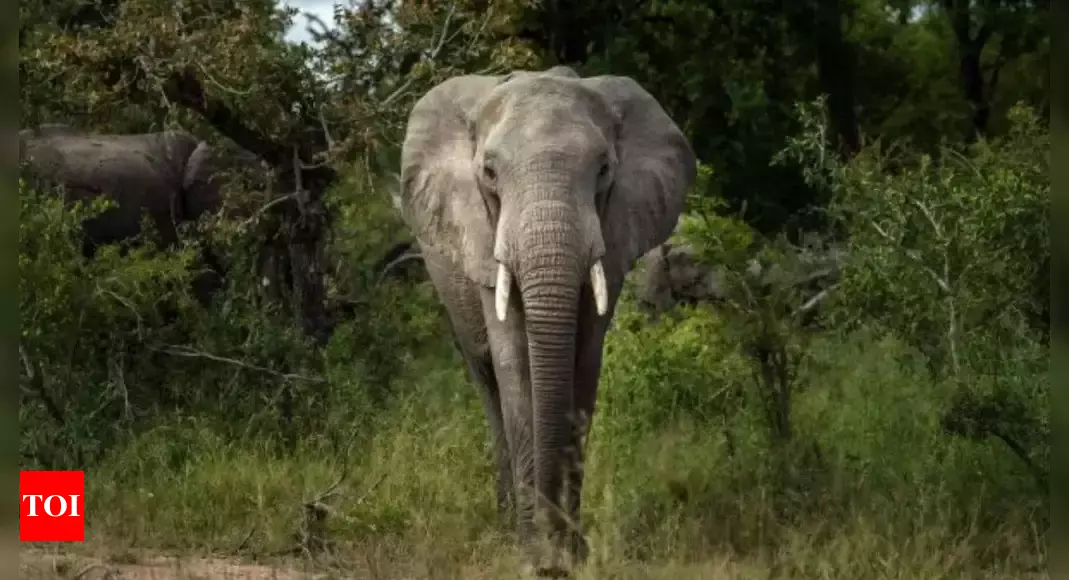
column 48, row 130
column 672, row 274
column 531, row 196
column 170, row 175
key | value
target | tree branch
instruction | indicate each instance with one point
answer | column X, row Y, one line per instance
column 187, row 90
column 943, row 285
column 187, row 352
column 37, row 387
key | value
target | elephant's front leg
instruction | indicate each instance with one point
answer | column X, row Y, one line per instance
column 464, row 305
column 508, row 347
column 590, row 342
column 482, row 371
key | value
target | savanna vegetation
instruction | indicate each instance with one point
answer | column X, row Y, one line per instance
column 891, row 425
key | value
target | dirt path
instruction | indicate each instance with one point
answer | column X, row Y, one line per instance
column 37, row 564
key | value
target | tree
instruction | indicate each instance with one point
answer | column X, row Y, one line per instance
column 1015, row 26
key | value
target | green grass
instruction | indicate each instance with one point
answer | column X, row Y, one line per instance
column 871, row 488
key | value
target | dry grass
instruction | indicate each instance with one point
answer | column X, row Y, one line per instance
column 413, row 509
column 890, row 496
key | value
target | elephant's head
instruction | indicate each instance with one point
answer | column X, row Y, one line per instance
column 673, row 274
column 543, row 181
column 206, row 170
column 545, row 187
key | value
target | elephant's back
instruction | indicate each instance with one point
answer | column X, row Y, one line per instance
column 122, row 165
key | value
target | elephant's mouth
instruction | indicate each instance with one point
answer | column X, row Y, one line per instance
column 503, row 289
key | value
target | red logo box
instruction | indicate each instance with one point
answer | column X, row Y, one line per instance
column 51, row 506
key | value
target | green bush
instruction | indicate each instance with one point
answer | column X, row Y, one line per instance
column 85, row 377
column 952, row 254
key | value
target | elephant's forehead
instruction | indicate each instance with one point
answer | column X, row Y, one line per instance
column 543, row 97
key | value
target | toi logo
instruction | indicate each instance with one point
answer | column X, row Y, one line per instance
column 51, row 506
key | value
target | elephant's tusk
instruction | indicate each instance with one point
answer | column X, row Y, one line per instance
column 501, row 294
column 601, row 288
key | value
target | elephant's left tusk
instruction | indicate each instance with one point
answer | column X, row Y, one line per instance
column 601, row 288
column 501, row 292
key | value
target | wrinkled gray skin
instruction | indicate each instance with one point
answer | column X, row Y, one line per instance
column 516, row 188
column 671, row 275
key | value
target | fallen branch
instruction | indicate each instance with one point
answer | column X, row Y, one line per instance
column 816, row 299
column 187, row 352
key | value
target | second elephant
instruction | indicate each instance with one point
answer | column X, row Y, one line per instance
column 672, row 274
column 171, row 176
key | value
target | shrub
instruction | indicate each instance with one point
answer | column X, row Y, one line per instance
column 85, row 377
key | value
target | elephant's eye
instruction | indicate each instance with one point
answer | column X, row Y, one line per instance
column 489, row 173
column 606, row 166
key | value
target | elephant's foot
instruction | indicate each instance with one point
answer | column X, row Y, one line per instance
column 506, row 507
column 559, row 557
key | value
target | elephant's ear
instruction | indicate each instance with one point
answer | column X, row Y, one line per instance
column 656, row 166
column 201, row 182
column 440, row 200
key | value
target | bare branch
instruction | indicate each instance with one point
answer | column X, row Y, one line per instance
column 36, row 387
column 119, row 380
column 397, row 261
column 267, row 206
column 928, row 216
column 398, row 92
column 329, row 492
column 482, row 29
column 125, row 302
column 445, row 31
column 433, row 54
column 326, row 130
column 816, row 299
column 220, row 85
column 943, row 285
column 187, row 352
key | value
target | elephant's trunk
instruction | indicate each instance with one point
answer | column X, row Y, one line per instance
column 550, row 276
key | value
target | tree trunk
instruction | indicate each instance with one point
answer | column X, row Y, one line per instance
column 836, row 69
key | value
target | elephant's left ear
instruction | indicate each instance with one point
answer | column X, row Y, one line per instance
column 656, row 166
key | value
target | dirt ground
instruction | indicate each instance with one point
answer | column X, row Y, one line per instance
column 38, row 563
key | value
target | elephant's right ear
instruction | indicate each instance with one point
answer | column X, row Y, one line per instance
column 440, row 199
column 201, row 182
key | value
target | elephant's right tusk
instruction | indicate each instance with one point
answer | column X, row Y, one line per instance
column 600, row 286
column 501, row 294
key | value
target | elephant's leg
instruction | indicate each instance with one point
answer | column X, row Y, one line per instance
column 482, row 373
column 508, row 346
column 462, row 302
column 590, row 341
column 209, row 281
